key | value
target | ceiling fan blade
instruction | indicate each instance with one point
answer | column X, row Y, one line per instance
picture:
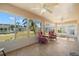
column 48, row 10
column 44, row 6
column 43, row 9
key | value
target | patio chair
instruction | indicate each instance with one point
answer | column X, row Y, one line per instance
column 52, row 35
column 41, row 38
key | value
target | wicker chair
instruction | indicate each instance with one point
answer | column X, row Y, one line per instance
column 41, row 38
column 52, row 35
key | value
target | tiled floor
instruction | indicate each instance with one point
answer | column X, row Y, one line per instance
column 61, row 47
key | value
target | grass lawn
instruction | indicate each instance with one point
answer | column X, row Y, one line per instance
column 23, row 34
column 5, row 37
column 19, row 35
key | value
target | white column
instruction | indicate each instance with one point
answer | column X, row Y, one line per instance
column 56, row 28
column 28, row 29
column 43, row 27
column 15, row 27
column 77, row 32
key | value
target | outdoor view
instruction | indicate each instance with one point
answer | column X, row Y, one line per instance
column 7, row 27
column 21, row 28
column 34, row 26
column 68, row 29
column 17, row 27
column 48, row 28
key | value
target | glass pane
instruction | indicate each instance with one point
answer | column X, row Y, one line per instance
column 61, row 28
column 7, row 27
column 71, row 29
column 21, row 27
column 32, row 28
column 38, row 25
column 49, row 27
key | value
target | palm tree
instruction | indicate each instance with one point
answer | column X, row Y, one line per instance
column 32, row 26
column 24, row 22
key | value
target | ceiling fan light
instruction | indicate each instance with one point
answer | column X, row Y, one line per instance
column 43, row 11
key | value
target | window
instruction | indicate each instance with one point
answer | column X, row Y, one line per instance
column 61, row 29
column 17, row 27
column 38, row 24
column 5, row 27
column 12, row 27
column 21, row 27
column 34, row 27
column 71, row 28
column 49, row 27
column 68, row 29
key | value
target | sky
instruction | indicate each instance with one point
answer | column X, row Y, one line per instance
column 6, row 18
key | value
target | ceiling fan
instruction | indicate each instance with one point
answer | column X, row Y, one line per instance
column 43, row 9
column 48, row 10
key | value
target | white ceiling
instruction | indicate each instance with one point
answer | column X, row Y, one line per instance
column 54, row 12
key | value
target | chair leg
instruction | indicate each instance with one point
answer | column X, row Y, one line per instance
column 3, row 53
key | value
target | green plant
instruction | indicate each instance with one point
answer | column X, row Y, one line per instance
column 32, row 26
